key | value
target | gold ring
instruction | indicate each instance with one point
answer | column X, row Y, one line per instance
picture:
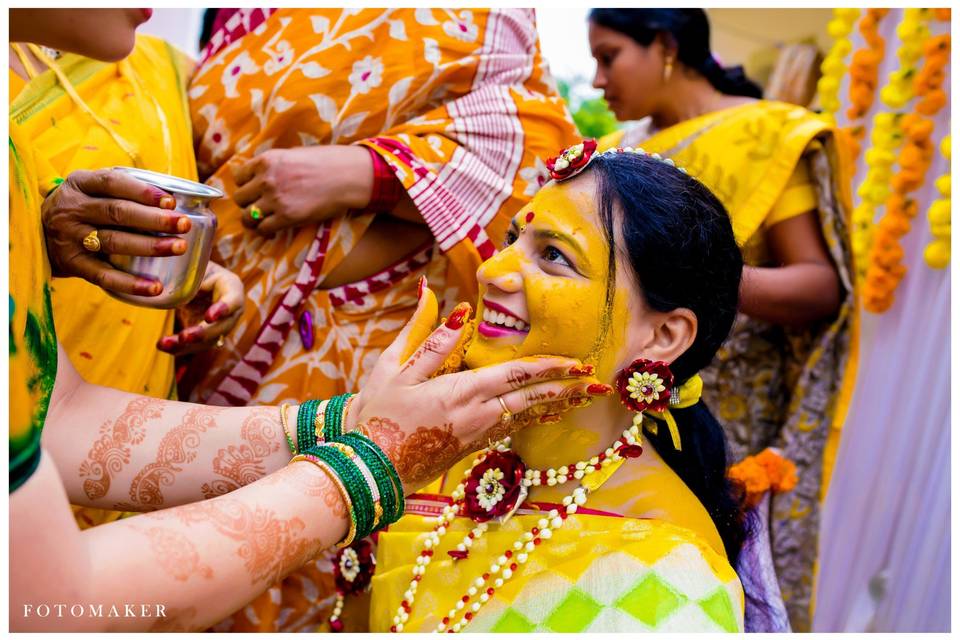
column 91, row 242
column 506, row 416
column 219, row 342
column 255, row 212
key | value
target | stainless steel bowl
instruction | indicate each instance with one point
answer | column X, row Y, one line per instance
column 181, row 275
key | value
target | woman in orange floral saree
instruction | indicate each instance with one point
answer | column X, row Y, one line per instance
column 455, row 107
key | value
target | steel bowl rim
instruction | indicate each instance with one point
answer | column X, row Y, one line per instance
column 173, row 184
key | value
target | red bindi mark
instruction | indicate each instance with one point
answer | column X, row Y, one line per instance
column 530, row 216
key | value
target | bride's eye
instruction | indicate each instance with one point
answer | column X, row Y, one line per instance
column 510, row 238
column 554, row 255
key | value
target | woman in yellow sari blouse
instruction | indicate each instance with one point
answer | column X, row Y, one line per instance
column 779, row 380
column 79, row 113
column 294, row 110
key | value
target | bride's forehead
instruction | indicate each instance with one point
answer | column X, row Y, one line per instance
column 575, row 198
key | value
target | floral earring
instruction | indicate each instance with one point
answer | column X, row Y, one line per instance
column 645, row 385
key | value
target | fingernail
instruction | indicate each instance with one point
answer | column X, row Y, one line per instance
column 183, row 224
column 582, row 370
column 168, row 202
column 549, row 418
column 598, row 389
column 458, row 317
column 421, row 286
column 217, row 310
column 145, row 287
column 171, row 245
column 167, row 342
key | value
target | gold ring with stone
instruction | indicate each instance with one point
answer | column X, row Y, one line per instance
column 91, row 242
column 255, row 212
column 506, row 416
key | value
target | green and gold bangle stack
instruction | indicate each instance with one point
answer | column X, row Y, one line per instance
column 385, row 476
column 306, row 415
column 333, row 417
column 361, row 506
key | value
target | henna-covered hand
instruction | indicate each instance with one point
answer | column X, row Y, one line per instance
column 425, row 424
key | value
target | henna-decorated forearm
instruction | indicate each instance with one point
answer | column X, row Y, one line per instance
column 222, row 552
column 149, row 454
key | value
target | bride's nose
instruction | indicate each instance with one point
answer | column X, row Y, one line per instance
column 502, row 271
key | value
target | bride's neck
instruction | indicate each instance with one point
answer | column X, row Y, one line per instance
column 580, row 435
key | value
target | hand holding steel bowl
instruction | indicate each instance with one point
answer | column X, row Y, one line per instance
column 182, row 274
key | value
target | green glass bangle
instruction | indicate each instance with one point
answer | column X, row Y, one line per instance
column 388, row 482
column 333, row 417
column 306, row 414
column 353, row 480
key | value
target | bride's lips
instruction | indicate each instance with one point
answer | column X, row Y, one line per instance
column 147, row 13
column 490, row 330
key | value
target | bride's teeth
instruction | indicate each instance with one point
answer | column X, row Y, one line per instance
column 511, row 321
column 501, row 318
column 520, row 325
column 487, row 315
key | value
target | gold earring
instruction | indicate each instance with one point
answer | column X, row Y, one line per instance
column 667, row 69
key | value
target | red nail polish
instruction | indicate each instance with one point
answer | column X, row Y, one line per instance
column 599, row 389
column 421, row 286
column 457, row 318
column 183, row 224
column 167, row 202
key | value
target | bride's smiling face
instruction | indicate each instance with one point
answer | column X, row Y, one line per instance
column 546, row 291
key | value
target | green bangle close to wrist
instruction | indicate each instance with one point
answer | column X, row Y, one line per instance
column 384, row 474
column 333, row 417
column 306, row 414
column 360, row 495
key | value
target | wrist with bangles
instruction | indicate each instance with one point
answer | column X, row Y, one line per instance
column 317, row 421
column 365, row 478
column 363, row 474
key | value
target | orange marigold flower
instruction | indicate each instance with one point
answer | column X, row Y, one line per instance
column 781, row 471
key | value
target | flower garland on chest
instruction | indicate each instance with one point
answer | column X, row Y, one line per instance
column 493, row 490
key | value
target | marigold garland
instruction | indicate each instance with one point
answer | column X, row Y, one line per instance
column 766, row 471
column 885, row 269
column 834, row 64
column 887, row 135
column 937, row 253
column 864, row 73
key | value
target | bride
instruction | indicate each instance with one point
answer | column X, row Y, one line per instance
column 615, row 516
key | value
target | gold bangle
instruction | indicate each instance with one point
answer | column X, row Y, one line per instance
column 320, row 421
column 352, row 532
column 286, row 430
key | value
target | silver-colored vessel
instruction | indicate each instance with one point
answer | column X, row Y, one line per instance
column 181, row 275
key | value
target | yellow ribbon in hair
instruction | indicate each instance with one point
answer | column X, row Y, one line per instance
column 689, row 394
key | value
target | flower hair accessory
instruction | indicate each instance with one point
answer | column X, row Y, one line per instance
column 573, row 160
column 647, row 387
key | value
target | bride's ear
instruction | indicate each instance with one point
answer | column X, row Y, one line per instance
column 673, row 333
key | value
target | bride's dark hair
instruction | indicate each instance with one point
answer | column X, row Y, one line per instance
column 689, row 29
column 678, row 241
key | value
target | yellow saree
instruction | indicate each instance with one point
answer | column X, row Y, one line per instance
column 769, row 385
column 599, row 573
column 143, row 98
column 458, row 103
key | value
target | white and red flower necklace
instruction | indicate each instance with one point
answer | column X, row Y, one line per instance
column 494, row 488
